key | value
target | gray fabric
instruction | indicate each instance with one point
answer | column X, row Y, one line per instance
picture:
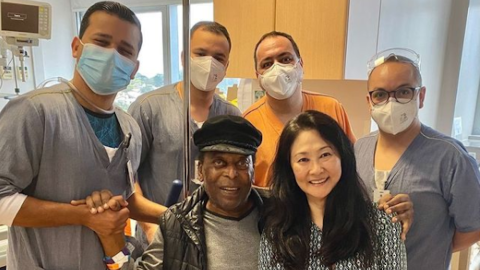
column 152, row 258
column 443, row 182
column 389, row 249
column 49, row 151
column 232, row 244
column 160, row 116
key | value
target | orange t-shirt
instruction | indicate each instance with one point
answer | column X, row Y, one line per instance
column 263, row 118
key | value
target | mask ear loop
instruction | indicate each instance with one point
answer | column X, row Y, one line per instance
column 70, row 84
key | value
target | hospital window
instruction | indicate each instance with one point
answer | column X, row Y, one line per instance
column 468, row 90
column 160, row 56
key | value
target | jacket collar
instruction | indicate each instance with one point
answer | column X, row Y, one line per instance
column 190, row 214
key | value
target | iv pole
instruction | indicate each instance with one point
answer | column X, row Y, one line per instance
column 186, row 96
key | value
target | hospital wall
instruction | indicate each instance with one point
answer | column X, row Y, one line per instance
column 433, row 28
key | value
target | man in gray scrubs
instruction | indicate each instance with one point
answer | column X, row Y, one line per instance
column 406, row 156
column 218, row 226
column 160, row 113
column 62, row 143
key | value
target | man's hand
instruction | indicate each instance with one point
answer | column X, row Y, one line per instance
column 402, row 206
column 108, row 223
column 100, row 201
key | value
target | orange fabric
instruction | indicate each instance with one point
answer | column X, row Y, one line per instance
column 128, row 228
column 263, row 118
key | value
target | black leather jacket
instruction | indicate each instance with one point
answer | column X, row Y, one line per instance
column 184, row 235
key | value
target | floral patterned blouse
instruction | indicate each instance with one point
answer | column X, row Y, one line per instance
column 389, row 250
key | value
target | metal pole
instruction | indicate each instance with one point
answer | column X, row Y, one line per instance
column 33, row 69
column 17, row 90
column 186, row 95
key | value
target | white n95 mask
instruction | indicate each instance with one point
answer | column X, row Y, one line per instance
column 282, row 80
column 394, row 117
column 206, row 72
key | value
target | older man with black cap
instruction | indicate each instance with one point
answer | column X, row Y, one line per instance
column 217, row 227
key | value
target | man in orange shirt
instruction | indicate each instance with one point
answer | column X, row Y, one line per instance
column 279, row 69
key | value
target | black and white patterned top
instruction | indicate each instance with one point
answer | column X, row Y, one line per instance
column 389, row 254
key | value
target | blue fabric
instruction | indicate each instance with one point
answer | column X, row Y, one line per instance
column 104, row 70
column 106, row 128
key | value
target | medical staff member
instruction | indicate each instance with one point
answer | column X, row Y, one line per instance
column 64, row 142
column 406, row 156
column 279, row 69
column 160, row 113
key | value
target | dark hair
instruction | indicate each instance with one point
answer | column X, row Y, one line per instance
column 275, row 34
column 212, row 27
column 201, row 157
column 112, row 8
column 346, row 224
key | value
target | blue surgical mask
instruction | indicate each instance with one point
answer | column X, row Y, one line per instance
column 104, row 70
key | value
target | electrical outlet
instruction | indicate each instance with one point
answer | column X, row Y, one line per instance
column 7, row 73
column 19, row 73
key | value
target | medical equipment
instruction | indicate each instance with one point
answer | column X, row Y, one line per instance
column 186, row 97
column 23, row 23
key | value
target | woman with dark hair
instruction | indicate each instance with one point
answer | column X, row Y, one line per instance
column 320, row 216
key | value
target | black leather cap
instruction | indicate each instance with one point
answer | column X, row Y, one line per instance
column 228, row 133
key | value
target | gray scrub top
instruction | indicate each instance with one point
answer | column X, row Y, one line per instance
column 443, row 182
column 48, row 150
column 160, row 116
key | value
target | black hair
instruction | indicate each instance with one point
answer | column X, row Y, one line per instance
column 212, row 27
column 275, row 34
column 347, row 229
column 112, row 8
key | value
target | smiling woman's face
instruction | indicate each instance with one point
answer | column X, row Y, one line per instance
column 316, row 165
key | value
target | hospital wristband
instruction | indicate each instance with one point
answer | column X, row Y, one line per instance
column 118, row 264
column 117, row 261
column 115, row 266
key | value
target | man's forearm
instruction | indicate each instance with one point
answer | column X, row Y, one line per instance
column 142, row 209
column 112, row 244
column 40, row 213
column 463, row 241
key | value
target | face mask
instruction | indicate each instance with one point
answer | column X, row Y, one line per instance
column 206, row 72
column 104, row 70
column 394, row 117
column 282, row 80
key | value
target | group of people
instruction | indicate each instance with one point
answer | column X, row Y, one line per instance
column 286, row 185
